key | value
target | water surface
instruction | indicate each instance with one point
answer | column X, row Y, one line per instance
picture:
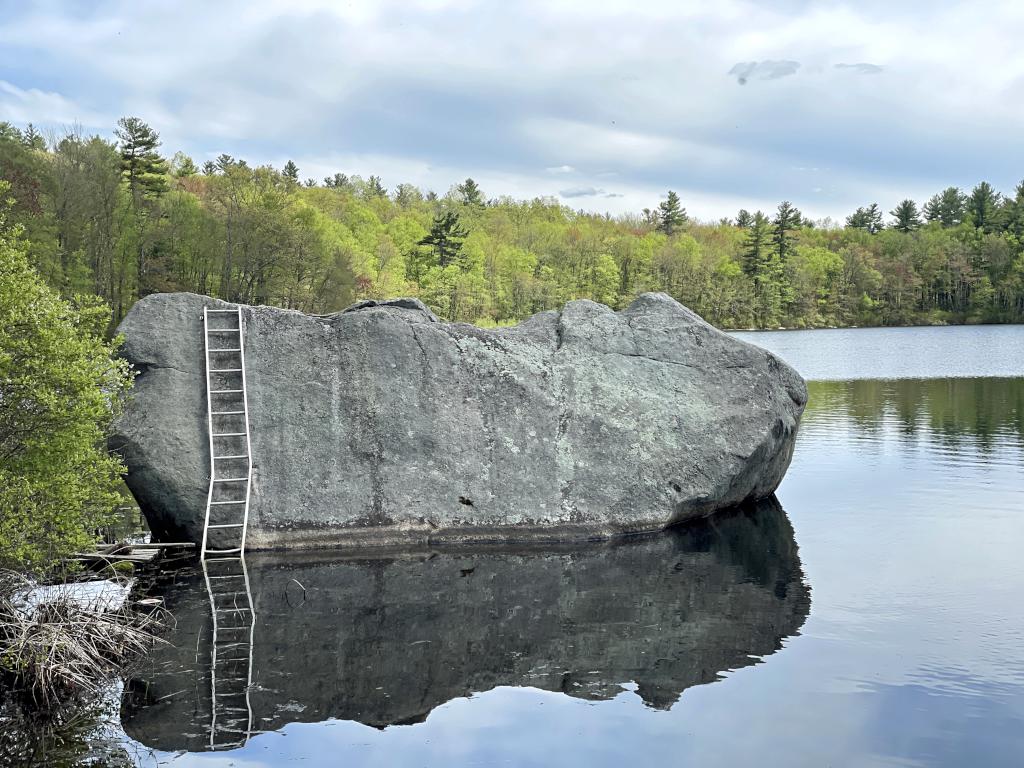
column 960, row 351
column 872, row 618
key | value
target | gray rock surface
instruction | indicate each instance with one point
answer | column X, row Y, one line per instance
column 381, row 425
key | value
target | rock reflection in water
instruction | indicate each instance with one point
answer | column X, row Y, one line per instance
column 384, row 641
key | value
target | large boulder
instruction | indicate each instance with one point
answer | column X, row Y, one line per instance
column 381, row 425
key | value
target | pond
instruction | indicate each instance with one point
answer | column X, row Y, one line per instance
column 871, row 617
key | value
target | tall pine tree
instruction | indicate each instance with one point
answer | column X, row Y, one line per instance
column 983, row 207
column 141, row 164
column 787, row 220
column 905, row 215
column 445, row 238
column 671, row 214
column 869, row 219
column 469, row 194
column 948, row 207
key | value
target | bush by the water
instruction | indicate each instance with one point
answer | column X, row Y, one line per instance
column 60, row 387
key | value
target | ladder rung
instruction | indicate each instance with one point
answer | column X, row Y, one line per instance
column 223, row 551
column 227, row 525
column 225, row 370
column 239, row 456
column 225, row 391
column 210, row 311
column 226, row 502
column 228, row 576
column 227, row 413
column 223, row 330
column 231, row 480
column 229, row 434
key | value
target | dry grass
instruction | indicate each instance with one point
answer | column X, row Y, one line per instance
column 61, row 641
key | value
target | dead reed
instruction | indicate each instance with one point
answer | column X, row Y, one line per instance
column 59, row 641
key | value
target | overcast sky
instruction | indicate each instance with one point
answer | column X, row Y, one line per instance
column 605, row 104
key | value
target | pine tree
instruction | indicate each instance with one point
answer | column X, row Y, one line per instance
column 948, row 207
column 762, row 265
column 906, row 216
column 787, row 219
column 756, row 246
column 445, row 238
column 1013, row 214
column 983, row 207
column 671, row 215
column 141, row 164
column 32, row 138
column 744, row 219
column 407, row 195
column 869, row 219
column 375, row 188
column 182, row 166
column 337, row 181
column 469, row 194
column 291, row 172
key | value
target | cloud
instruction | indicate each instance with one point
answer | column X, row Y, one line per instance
column 32, row 105
column 581, row 192
column 763, row 70
column 632, row 97
column 862, row 68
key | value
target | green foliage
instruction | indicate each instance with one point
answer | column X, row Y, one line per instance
column 671, row 214
column 948, row 207
column 905, row 215
column 182, row 166
column 869, row 219
column 59, row 390
column 983, row 207
column 141, row 164
column 468, row 193
column 116, row 221
column 445, row 238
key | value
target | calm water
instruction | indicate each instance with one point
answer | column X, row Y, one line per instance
column 872, row 618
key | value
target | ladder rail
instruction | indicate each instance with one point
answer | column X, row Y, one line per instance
column 248, row 440
column 217, row 630
column 213, row 644
column 211, row 435
column 209, row 430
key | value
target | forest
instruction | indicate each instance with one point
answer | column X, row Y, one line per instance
column 118, row 219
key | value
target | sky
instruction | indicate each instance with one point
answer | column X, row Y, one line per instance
column 605, row 105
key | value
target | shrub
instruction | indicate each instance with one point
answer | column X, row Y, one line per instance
column 60, row 387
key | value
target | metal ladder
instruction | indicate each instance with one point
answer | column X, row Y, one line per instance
column 227, row 418
column 234, row 627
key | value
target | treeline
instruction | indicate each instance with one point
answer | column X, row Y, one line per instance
column 120, row 220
